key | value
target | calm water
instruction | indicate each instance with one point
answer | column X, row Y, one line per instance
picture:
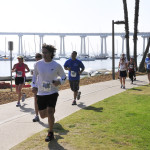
column 89, row 65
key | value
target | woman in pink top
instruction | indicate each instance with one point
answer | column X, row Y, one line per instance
column 20, row 69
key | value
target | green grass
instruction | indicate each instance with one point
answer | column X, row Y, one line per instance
column 121, row 122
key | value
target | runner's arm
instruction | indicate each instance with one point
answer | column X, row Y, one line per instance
column 34, row 78
column 14, row 68
column 62, row 75
column 26, row 67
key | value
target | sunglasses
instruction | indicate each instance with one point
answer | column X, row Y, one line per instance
column 38, row 57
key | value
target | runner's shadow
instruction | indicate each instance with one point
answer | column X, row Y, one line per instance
column 81, row 105
column 58, row 131
column 100, row 109
column 43, row 124
column 23, row 109
column 134, row 89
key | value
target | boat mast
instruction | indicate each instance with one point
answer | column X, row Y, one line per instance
column 5, row 46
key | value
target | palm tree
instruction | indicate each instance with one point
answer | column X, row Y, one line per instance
column 141, row 66
column 136, row 16
column 126, row 28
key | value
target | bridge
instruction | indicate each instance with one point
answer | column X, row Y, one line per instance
column 103, row 36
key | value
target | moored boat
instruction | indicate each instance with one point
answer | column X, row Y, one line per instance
column 85, row 57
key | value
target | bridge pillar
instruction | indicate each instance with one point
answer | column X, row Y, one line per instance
column 83, row 45
column 143, row 43
column 106, row 54
column 41, row 43
column 101, row 54
column 102, row 46
column 62, row 46
column 20, row 50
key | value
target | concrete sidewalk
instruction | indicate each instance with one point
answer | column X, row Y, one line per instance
column 16, row 123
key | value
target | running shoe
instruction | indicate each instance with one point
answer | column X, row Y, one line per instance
column 18, row 104
column 74, row 103
column 78, row 95
column 36, row 119
column 123, row 87
column 49, row 137
column 23, row 97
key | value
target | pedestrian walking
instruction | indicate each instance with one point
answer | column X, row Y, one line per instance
column 131, row 68
column 122, row 71
column 38, row 57
column 47, row 76
column 21, row 69
column 75, row 68
column 147, row 61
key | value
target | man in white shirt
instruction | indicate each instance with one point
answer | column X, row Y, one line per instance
column 50, row 75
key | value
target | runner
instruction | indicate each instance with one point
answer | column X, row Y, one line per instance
column 20, row 68
column 122, row 71
column 147, row 61
column 74, row 65
column 38, row 57
column 131, row 68
column 50, row 75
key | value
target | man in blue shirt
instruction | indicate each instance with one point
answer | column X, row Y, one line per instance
column 75, row 68
column 147, row 61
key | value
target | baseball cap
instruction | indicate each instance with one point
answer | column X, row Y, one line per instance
column 20, row 57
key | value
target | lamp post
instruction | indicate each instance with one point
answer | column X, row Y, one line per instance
column 113, row 47
column 10, row 47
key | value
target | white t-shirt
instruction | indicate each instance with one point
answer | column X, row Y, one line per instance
column 123, row 66
column 46, row 72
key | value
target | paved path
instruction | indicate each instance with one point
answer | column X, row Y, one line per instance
column 16, row 123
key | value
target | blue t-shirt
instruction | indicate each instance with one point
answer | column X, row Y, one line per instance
column 147, row 61
column 75, row 66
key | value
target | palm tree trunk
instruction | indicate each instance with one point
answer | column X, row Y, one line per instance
column 136, row 16
column 141, row 66
column 126, row 29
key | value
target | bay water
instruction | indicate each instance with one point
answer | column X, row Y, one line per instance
column 89, row 65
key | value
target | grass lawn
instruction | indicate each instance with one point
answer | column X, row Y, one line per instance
column 121, row 122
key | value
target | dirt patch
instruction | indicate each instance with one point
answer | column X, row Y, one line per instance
column 6, row 96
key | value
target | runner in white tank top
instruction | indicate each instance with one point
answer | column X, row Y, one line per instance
column 122, row 71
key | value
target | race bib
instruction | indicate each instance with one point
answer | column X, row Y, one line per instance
column 73, row 74
column 131, row 66
column 46, row 86
column 19, row 73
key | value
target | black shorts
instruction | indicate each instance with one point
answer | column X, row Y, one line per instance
column 45, row 101
column 74, row 85
column 123, row 74
column 148, row 70
column 19, row 80
column 131, row 74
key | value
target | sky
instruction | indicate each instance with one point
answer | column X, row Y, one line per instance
column 69, row 16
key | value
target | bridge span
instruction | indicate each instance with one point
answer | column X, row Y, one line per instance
column 103, row 36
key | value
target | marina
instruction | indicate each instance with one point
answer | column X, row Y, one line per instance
column 103, row 66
